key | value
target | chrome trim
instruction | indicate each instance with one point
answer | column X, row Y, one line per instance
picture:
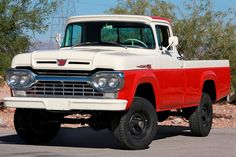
column 110, row 74
column 36, row 78
column 62, row 89
column 19, row 73
column 63, row 79
column 91, row 80
column 64, row 73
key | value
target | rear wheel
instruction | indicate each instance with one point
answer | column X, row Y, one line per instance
column 36, row 126
column 201, row 119
column 136, row 128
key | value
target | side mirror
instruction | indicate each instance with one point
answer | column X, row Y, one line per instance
column 173, row 41
column 58, row 39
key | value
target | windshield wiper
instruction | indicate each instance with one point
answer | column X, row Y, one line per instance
column 99, row 43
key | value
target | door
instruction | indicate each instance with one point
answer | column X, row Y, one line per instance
column 169, row 73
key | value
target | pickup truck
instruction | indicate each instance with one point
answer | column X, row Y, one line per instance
column 124, row 72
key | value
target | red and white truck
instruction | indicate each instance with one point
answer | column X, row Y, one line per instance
column 122, row 70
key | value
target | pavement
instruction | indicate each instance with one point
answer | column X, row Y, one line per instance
column 84, row 142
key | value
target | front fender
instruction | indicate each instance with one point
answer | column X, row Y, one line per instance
column 133, row 78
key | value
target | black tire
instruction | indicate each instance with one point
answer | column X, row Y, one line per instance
column 136, row 128
column 201, row 119
column 35, row 126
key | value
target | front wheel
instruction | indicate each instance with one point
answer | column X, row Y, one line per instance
column 136, row 128
column 36, row 126
column 200, row 120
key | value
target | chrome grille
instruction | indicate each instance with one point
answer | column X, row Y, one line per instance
column 62, row 89
column 63, row 73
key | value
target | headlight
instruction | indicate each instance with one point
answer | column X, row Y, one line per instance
column 24, row 80
column 108, row 81
column 14, row 79
column 102, row 82
column 113, row 83
column 20, row 78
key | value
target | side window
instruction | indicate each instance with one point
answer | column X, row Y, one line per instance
column 163, row 35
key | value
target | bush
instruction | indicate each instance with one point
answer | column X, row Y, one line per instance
column 5, row 63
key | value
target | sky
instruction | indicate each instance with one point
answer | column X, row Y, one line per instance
column 92, row 7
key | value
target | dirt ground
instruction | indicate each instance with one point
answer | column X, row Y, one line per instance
column 224, row 115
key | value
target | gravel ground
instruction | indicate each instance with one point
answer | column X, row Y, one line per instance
column 224, row 115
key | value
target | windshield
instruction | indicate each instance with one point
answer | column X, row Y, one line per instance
column 136, row 35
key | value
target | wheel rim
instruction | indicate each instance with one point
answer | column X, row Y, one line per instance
column 138, row 124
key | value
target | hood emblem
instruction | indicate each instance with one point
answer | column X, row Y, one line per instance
column 61, row 62
column 146, row 66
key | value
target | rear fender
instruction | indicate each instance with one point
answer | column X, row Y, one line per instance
column 206, row 76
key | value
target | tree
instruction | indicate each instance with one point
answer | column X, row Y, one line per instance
column 18, row 19
column 144, row 7
column 203, row 32
column 138, row 7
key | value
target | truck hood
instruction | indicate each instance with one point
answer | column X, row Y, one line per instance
column 84, row 58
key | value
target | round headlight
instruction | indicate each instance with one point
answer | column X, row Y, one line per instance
column 113, row 83
column 24, row 80
column 102, row 82
column 20, row 79
column 108, row 81
column 13, row 80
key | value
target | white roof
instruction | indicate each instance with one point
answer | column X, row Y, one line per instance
column 130, row 18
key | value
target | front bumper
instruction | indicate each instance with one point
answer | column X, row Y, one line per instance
column 65, row 104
